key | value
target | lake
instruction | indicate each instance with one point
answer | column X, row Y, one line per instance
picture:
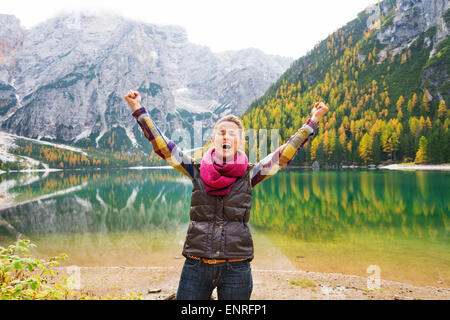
column 339, row 221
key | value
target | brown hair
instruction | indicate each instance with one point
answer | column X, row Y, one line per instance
column 235, row 120
column 230, row 118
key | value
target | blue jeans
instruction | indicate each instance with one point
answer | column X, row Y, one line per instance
column 198, row 280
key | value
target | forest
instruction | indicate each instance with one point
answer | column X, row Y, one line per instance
column 384, row 108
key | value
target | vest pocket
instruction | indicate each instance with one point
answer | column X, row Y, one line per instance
column 197, row 236
column 238, row 240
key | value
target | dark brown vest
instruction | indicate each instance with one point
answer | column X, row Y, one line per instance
column 219, row 224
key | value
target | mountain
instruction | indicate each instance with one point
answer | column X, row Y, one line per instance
column 63, row 80
column 385, row 78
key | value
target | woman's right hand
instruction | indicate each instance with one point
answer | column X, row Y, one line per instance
column 134, row 99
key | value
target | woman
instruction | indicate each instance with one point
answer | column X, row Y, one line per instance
column 218, row 246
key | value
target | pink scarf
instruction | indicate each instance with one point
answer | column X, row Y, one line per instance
column 218, row 176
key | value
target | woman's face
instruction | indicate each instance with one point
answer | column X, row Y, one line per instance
column 226, row 140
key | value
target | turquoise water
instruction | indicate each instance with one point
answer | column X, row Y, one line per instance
column 327, row 220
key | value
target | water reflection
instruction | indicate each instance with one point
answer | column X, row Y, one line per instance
column 327, row 220
column 322, row 205
column 304, row 204
column 90, row 201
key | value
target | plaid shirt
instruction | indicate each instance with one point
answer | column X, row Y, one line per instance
column 184, row 163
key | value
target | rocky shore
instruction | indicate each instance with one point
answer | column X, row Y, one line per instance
column 160, row 283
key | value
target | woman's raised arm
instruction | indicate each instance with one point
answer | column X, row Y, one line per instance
column 163, row 146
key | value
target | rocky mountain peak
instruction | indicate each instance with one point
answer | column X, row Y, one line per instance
column 11, row 36
column 410, row 18
column 66, row 80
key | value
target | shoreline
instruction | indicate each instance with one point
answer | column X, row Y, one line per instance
column 161, row 283
column 408, row 166
column 86, row 169
column 394, row 166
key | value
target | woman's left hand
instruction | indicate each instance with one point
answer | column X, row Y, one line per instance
column 318, row 111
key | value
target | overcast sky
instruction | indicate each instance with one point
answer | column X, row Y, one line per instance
column 284, row 27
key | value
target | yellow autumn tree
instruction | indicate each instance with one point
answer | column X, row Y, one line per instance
column 314, row 147
column 412, row 103
column 365, row 148
column 399, row 106
column 442, row 110
column 426, row 102
column 422, row 153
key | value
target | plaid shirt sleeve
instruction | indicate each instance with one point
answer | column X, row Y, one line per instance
column 281, row 157
column 164, row 147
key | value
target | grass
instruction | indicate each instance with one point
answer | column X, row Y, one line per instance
column 303, row 283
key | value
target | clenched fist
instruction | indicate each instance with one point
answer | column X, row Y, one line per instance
column 318, row 111
column 134, row 99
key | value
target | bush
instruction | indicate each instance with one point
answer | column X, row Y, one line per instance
column 23, row 277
